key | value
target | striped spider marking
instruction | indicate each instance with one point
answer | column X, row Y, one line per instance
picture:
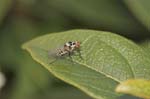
column 68, row 49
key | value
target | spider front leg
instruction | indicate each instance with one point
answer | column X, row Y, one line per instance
column 77, row 52
column 69, row 54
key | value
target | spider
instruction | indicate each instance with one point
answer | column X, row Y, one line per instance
column 68, row 49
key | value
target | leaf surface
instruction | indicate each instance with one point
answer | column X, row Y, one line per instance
column 108, row 59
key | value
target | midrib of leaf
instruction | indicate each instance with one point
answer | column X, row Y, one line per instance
column 103, row 73
column 98, row 71
column 111, row 77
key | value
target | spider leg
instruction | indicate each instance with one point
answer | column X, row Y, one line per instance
column 79, row 52
column 69, row 54
column 53, row 61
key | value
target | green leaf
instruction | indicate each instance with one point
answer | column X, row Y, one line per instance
column 108, row 59
column 141, row 10
column 137, row 87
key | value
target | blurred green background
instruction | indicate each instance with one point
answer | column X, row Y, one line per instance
column 22, row 20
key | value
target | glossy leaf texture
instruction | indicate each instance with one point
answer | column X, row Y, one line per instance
column 140, row 8
column 108, row 59
column 136, row 87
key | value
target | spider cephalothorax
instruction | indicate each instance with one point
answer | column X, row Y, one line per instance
column 68, row 48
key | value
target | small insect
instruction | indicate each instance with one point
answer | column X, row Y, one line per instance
column 68, row 49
